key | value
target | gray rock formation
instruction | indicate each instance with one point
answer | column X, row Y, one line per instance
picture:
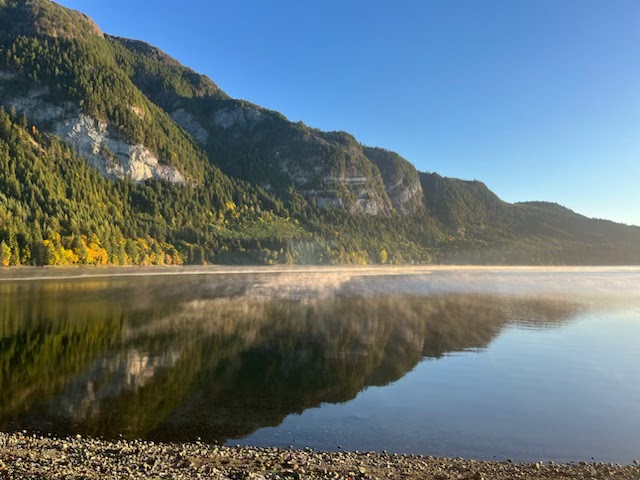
column 92, row 139
column 401, row 179
column 191, row 124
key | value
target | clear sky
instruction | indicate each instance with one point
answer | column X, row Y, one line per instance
column 540, row 99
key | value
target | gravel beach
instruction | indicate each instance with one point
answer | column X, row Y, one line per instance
column 36, row 457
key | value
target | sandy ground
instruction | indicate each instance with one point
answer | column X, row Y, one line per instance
column 34, row 457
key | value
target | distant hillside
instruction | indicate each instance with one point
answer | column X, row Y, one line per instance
column 114, row 152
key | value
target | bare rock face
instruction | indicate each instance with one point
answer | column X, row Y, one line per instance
column 406, row 198
column 93, row 140
column 33, row 105
column 401, row 179
column 328, row 168
column 191, row 124
column 361, row 197
column 237, row 117
column 113, row 157
column 354, row 192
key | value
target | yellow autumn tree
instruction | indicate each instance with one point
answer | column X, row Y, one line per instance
column 96, row 253
column 5, row 254
column 56, row 253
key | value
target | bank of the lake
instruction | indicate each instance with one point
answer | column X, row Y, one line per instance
column 31, row 456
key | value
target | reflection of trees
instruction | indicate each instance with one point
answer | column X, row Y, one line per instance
column 152, row 365
column 299, row 355
column 46, row 337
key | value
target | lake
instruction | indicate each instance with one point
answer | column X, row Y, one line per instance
column 521, row 363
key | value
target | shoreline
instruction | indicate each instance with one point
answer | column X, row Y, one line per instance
column 35, row 456
column 32, row 273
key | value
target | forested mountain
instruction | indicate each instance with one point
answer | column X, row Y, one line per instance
column 113, row 152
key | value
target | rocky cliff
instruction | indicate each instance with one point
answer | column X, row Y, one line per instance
column 401, row 180
column 330, row 169
column 93, row 139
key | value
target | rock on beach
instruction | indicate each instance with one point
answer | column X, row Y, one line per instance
column 25, row 456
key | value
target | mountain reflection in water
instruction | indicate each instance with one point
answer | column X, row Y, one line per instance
column 177, row 358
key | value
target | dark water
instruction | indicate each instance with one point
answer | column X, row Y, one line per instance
column 522, row 364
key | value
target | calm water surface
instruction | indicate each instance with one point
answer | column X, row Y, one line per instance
column 509, row 363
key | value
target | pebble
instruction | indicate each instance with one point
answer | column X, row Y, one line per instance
column 26, row 457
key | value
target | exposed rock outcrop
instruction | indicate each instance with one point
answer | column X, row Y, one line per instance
column 191, row 124
column 328, row 168
column 93, row 139
column 113, row 157
column 401, row 179
column 237, row 117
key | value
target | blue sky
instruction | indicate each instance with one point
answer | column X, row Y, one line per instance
column 539, row 99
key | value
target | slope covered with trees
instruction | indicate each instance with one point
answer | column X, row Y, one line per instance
column 113, row 152
column 56, row 209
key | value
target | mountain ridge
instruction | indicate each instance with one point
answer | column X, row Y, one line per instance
column 269, row 190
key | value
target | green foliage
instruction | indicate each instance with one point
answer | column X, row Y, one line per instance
column 160, row 73
column 44, row 17
column 463, row 205
column 55, row 209
column 85, row 73
column 393, row 167
column 481, row 228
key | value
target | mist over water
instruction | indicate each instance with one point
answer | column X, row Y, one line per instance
column 523, row 363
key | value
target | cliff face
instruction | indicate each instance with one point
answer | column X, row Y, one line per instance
column 93, row 139
column 261, row 146
column 331, row 169
column 401, row 180
column 59, row 72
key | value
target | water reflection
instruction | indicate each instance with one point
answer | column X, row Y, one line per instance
column 176, row 358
